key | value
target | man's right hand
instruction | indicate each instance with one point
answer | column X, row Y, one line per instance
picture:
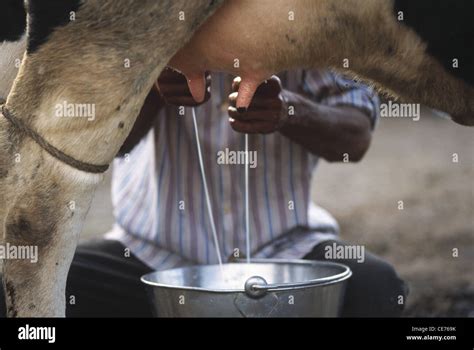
column 174, row 90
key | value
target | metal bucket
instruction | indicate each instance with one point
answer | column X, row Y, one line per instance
column 263, row 288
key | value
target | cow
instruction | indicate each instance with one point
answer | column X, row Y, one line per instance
column 108, row 53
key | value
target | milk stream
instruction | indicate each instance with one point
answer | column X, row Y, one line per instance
column 247, row 215
column 208, row 200
column 206, row 191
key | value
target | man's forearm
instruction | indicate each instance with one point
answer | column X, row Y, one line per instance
column 334, row 133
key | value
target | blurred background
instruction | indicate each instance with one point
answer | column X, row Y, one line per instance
column 411, row 162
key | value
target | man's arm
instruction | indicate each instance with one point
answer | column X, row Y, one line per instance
column 326, row 131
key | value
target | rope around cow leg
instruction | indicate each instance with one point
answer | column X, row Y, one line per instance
column 56, row 153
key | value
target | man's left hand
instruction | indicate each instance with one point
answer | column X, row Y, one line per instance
column 267, row 113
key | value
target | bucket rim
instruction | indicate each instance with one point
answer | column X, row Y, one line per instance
column 316, row 282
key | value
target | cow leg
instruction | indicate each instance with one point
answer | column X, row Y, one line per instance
column 106, row 59
column 367, row 39
column 47, row 204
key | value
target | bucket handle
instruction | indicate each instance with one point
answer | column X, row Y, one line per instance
column 257, row 287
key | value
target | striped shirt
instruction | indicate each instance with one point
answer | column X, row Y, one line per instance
column 158, row 194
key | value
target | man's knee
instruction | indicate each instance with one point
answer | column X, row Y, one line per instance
column 374, row 290
column 387, row 288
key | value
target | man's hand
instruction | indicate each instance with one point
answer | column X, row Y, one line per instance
column 171, row 88
column 174, row 90
column 267, row 113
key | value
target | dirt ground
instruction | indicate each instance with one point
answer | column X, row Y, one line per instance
column 411, row 162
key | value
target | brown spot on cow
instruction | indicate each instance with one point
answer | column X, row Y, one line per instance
column 35, row 170
column 290, row 40
column 33, row 219
column 390, row 50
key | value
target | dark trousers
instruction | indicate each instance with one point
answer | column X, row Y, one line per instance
column 104, row 282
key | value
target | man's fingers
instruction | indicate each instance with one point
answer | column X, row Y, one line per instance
column 236, row 84
column 249, row 116
column 253, row 114
column 247, row 90
column 180, row 95
column 233, row 98
column 258, row 102
column 270, row 88
column 178, row 90
column 252, row 127
column 170, row 77
column 175, row 90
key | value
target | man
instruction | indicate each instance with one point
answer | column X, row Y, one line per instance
column 161, row 219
